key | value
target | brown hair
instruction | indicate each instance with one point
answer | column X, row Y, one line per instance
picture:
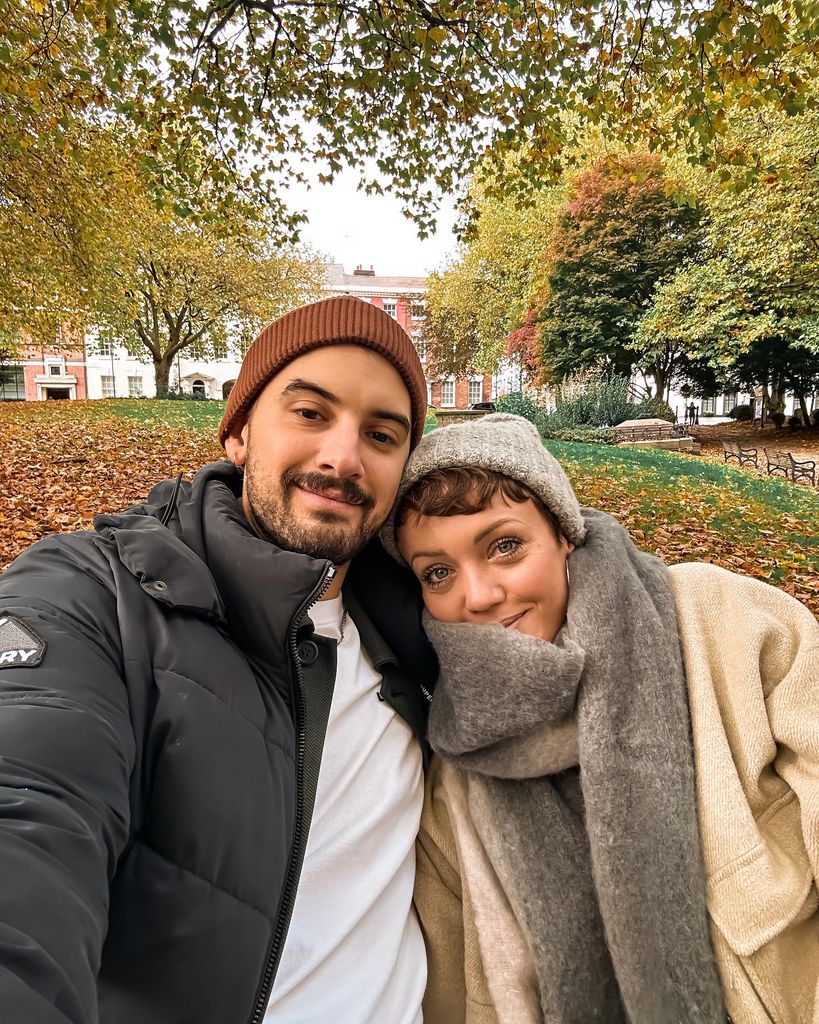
column 464, row 491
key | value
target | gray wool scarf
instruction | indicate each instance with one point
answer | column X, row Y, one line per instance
column 582, row 788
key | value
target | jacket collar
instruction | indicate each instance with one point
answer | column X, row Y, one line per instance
column 209, row 561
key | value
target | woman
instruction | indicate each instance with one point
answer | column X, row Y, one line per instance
column 624, row 821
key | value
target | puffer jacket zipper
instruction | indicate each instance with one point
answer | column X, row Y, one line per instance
column 299, row 829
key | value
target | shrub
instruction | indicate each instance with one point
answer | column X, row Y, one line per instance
column 795, row 422
column 595, row 401
column 742, row 412
column 586, row 435
column 177, row 395
column 655, row 408
column 778, row 419
column 522, row 405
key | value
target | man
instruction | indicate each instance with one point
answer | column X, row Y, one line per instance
column 210, row 774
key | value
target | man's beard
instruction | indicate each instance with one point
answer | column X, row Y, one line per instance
column 320, row 533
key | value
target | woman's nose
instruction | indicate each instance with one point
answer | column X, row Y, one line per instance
column 482, row 593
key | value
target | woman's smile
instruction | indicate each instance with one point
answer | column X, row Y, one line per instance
column 504, row 564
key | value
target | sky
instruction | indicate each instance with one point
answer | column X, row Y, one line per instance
column 353, row 228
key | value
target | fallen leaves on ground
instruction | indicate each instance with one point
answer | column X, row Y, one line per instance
column 62, row 463
column 683, row 509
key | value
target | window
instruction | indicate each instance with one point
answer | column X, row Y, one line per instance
column 709, row 406
column 105, row 347
column 107, row 386
column 135, row 387
column 198, row 388
column 420, row 343
column 12, row 384
column 728, row 402
column 391, row 307
column 55, row 367
column 417, row 309
column 448, row 394
column 475, row 391
column 220, row 349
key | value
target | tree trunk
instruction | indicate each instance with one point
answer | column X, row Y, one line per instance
column 659, row 375
column 803, row 408
column 162, row 373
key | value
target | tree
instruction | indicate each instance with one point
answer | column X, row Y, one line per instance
column 83, row 239
column 483, row 295
column 427, row 89
column 174, row 283
column 522, row 350
column 619, row 234
column 748, row 310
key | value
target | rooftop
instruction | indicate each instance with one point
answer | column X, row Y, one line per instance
column 365, row 281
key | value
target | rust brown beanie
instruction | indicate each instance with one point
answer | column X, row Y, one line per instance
column 340, row 320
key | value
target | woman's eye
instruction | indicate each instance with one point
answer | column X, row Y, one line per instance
column 307, row 414
column 507, row 546
column 434, row 576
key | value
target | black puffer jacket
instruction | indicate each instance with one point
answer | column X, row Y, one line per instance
column 158, row 765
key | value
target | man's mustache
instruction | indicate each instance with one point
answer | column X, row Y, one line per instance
column 347, row 490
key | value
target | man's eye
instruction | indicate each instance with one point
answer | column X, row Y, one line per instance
column 381, row 438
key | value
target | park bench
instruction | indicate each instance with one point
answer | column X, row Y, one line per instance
column 791, row 468
column 652, row 433
column 732, row 450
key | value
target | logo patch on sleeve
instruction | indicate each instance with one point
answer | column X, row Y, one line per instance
column 19, row 644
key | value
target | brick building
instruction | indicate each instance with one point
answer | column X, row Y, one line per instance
column 39, row 372
column 403, row 298
column 92, row 367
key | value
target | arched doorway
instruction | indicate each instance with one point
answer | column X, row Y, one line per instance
column 227, row 387
column 198, row 388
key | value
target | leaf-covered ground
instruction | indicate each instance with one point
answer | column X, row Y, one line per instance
column 63, row 462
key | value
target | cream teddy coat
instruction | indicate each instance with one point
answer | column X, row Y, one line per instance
column 752, row 663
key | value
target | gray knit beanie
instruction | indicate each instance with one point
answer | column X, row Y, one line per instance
column 501, row 442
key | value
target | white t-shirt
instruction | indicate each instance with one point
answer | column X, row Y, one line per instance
column 354, row 952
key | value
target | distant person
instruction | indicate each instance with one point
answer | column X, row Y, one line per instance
column 210, row 711
column 624, row 821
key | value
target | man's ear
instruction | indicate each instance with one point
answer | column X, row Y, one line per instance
column 236, row 446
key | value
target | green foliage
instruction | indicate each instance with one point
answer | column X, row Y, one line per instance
column 655, row 408
column 583, row 435
column 520, row 404
column 749, row 307
column 475, row 302
column 742, row 412
column 619, row 234
column 426, row 90
column 778, row 419
column 407, row 92
column 593, row 400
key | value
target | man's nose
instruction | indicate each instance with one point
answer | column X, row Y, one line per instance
column 340, row 452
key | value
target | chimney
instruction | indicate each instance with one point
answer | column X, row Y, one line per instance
column 361, row 272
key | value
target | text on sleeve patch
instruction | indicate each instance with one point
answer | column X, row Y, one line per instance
column 19, row 644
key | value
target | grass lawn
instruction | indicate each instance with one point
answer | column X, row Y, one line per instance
column 199, row 415
column 685, row 508
column 62, row 462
